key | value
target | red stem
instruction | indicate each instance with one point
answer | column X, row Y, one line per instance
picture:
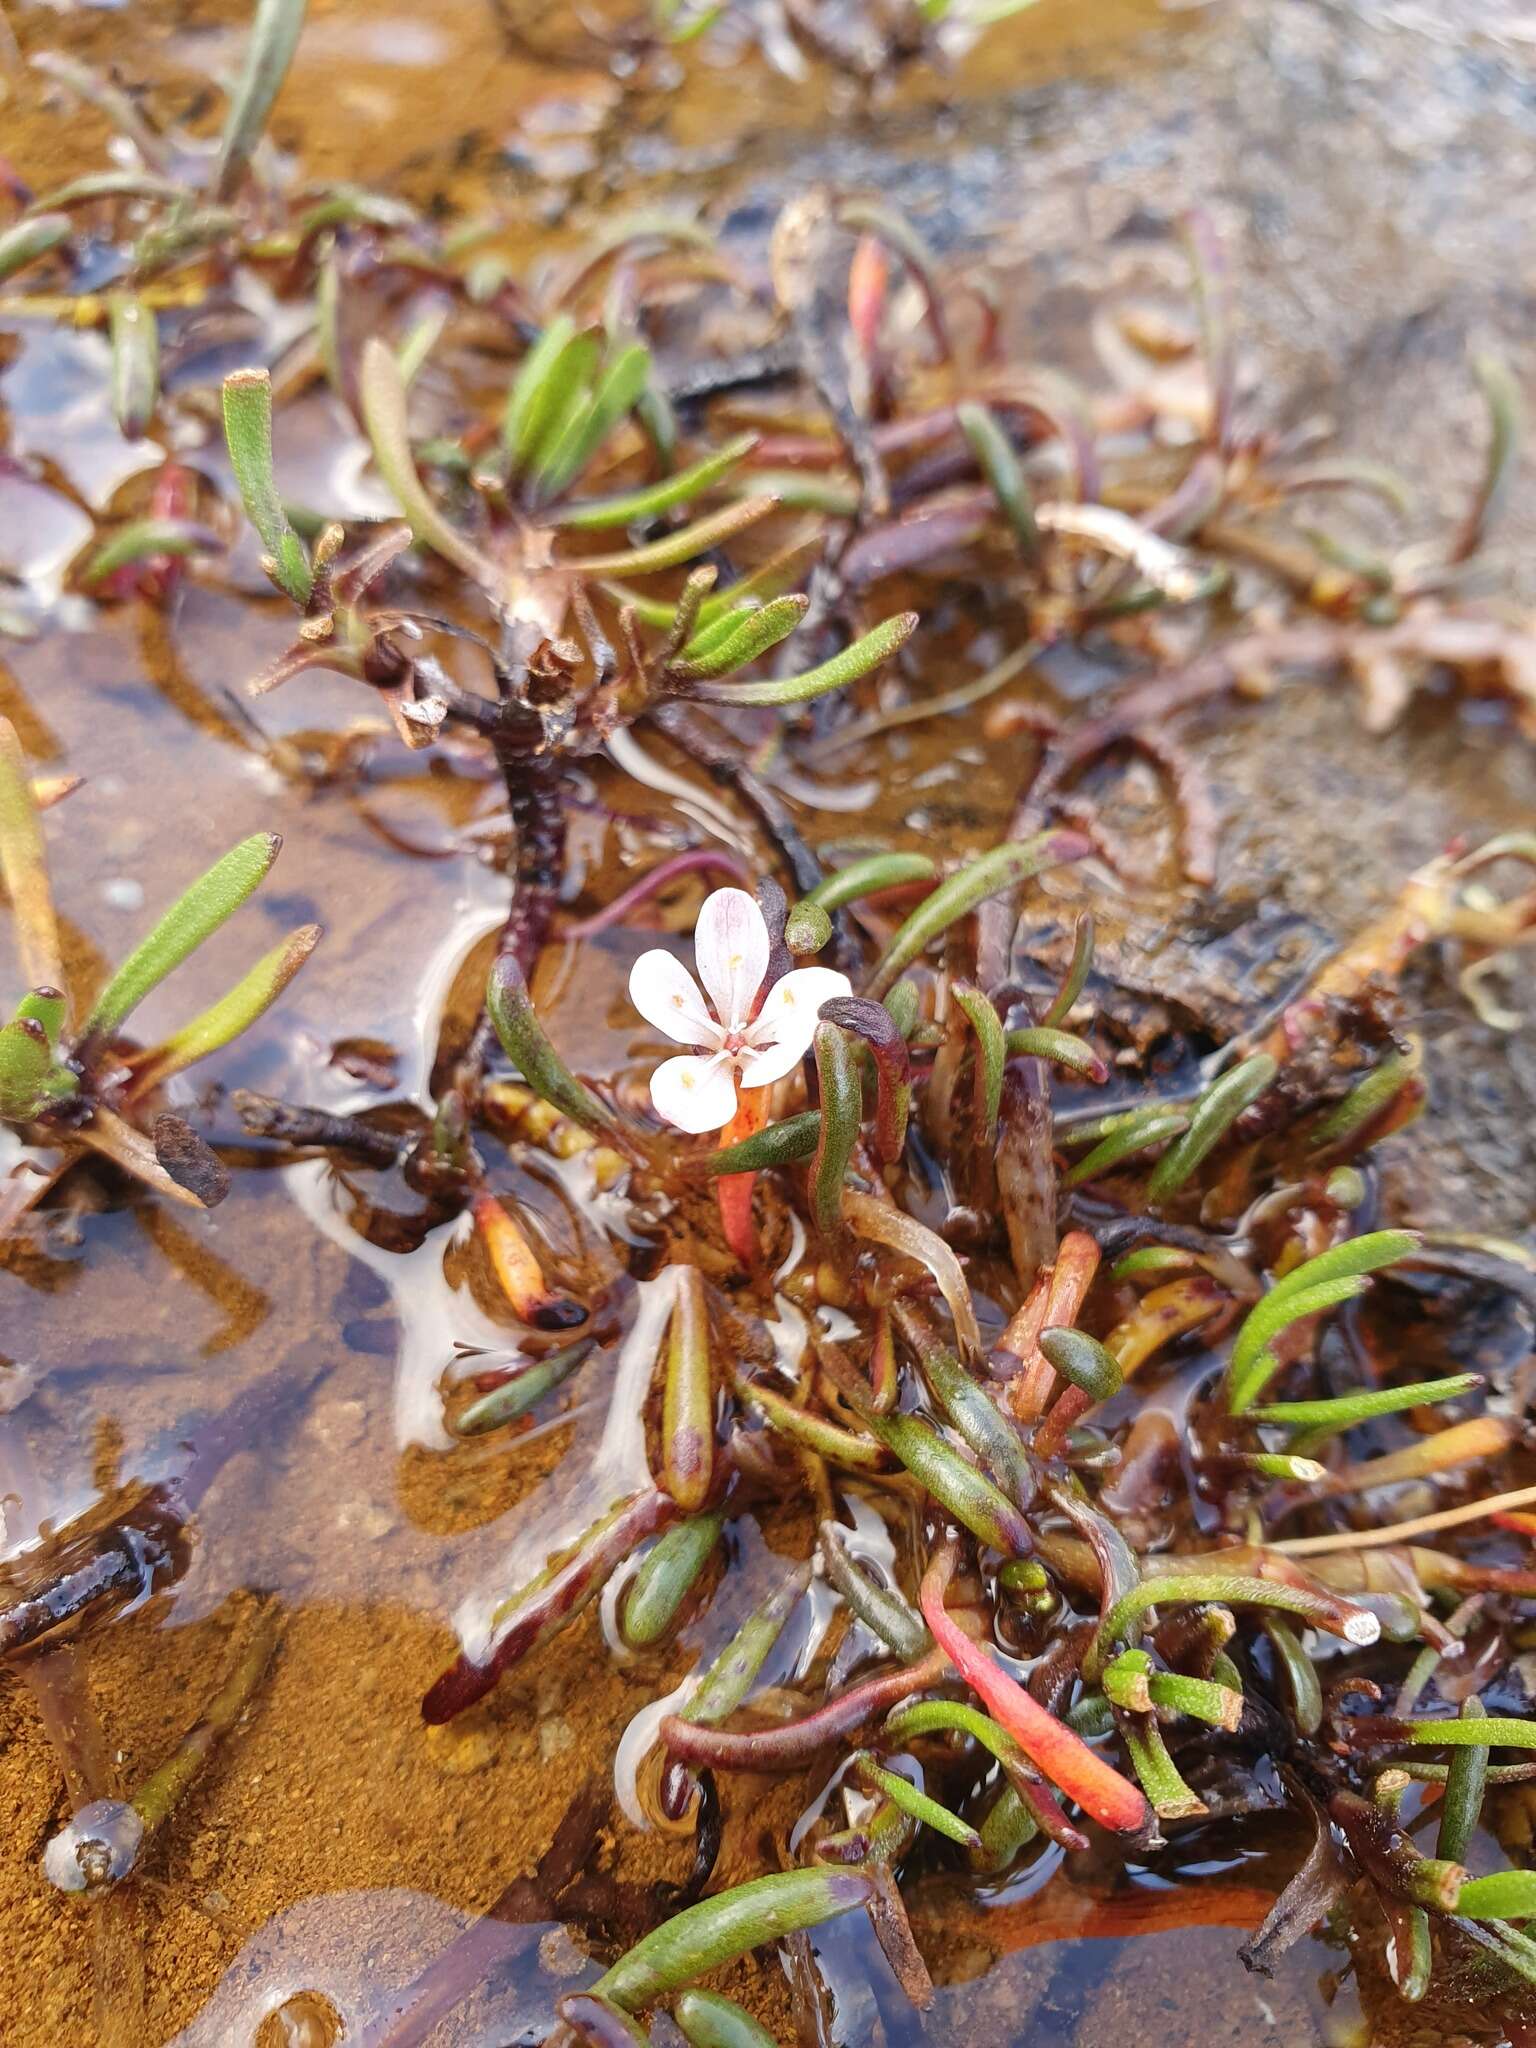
column 733, row 1191
column 1064, row 1757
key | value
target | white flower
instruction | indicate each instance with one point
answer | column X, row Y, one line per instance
column 697, row 1091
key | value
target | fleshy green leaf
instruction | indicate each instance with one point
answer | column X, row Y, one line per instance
column 916, row 1805
column 1083, row 1361
column 987, row 875
column 648, row 501
column 1076, row 974
column 382, row 392
column 567, row 400
column 807, row 929
column 274, row 38
column 991, row 1050
column 864, row 655
column 1332, row 1277
column 1501, row 394
column 44, row 1006
column 419, row 344
column 669, row 1573
column 749, row 637
column 194, row 917
column 1133, row 1134
column 524, row 1040
column 842, row 1105
column 26, row 240
column 677, row 548
column 869, row 876
column 1212, row 1116
column 536, row 392
column 707, row 2019
column 1505, row 1895
column 26, row 1065
column 1316, row 1421
column 141, row 540
column 719, row 1929
column 887, row 1048
column 24, row 866
column 1000, row 465
column 1367, row 1100
column 135, row 363
column 233, row 1013
column 617, row 390
column 177, row 236
column 779, row 1145
column 1065, row 1048
column 248, row 432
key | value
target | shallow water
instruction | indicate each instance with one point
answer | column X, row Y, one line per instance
column 1370, row 163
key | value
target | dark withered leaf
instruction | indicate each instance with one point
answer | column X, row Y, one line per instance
column 1314, row 1891
column 189, row 1162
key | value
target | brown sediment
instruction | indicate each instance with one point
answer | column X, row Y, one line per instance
column 456, row 1813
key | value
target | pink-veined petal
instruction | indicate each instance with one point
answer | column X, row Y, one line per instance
column 730, row 944
column 666, row 995
column 781, row 1033
column 693, row 1094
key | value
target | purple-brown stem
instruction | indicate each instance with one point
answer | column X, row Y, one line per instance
column 537, row 805
column 549, row 1604
column 786, row 1748
column 698, row 859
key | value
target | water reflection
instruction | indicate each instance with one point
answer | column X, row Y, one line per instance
column 357, row 1953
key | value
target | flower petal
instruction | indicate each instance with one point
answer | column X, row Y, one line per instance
column 666, row 995
column 730, row 944
column 695, row 1095
column 781, row 1034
